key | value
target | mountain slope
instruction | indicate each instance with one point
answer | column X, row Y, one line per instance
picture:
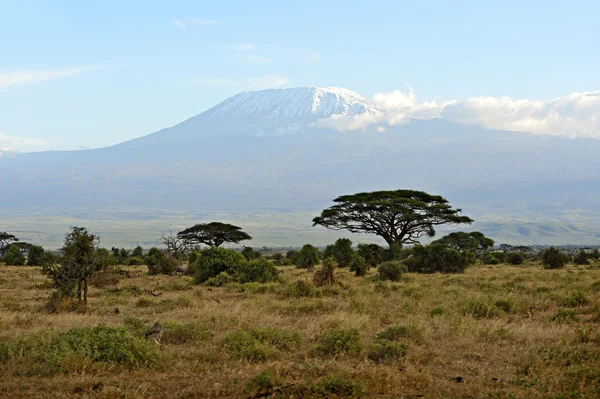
column 263, row 151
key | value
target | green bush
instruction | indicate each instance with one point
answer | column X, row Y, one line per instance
column 263, row 380
column 553, row 258
column 342, row 252
column 259, row 344
column 258, row 270
column 339, row 387
column 193, row 257
column 358, row 265
column 13, row 256
column 35, row 256
column 391, row 270
column 220, row 280
column 48, row 352
column 301, row 289
column 564, row 316
column 135, row 261
column 182, row 334
column 436, row 258
column 371, row 253
column 488, row 259
column 337, row 341
column 159, row 263
column 382, row 350
column 396, row 333
column 213, row 261
column 577, row 298
column 249, row 253
column 482, row 310
column 581, row 258
column 307, row 257
column 515, row 258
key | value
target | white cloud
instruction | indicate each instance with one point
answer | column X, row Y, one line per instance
column 17, row 77
column 12, row 144
column 307, row 55
column 183, row 23
column 574, row 115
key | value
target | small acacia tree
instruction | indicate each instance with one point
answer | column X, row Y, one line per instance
column 461, row 241
column 342, row 252
column 78, row 263
column 399, row 217
column 371, row 253
column 213, row 234
column 307, row 257
column 35, row 256
column 13, row 256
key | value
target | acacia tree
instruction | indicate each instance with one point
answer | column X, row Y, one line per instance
column 461, row 241
column 5, row 240
column 79, row 258
column 399, row 217
column 213, row 234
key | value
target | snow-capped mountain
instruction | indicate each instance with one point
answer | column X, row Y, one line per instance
column 293, row 104
column 263, row 151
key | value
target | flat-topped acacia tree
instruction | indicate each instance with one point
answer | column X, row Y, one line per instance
column 213, row 234
column 399, row 217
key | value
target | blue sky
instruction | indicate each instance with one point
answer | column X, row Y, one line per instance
column 96, row 73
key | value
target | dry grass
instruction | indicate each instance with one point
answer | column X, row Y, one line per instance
column 499, row 331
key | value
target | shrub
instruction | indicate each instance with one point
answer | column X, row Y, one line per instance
column 326, row 275
column 258, row 270
column 49, row 353
column 340, row 387
column 358, row 265
column 213, row 261
column 249, row 253
column 138, row 252
column 391, row 270
column 193, row 257
column 488, row 259
column 342, row 252
column 258, row 345
column 564, row 316
column 220, row 280
column 382, row 350
column 482, row 310
column 371, row 253
column 553, row 258
column 188, row 333
column 581, row 258
column 13, row 256
column 396, row 333
column 577, row 298
column 301, row 289
column 515, row 258
column 263, row 380
column 395, row 252
column 158, row 262
column 135, row 261
column 338, row 341
column 307, row 257
column 35, row 256
column 438, row 258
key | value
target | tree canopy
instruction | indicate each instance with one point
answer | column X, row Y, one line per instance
column 461, row 241
column 5, row 240
column 213, row 234
column 401, row 216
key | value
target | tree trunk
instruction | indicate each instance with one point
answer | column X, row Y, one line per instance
column 85, row 291
column 79, row 291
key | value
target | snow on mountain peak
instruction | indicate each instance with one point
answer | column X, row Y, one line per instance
column 294, row 103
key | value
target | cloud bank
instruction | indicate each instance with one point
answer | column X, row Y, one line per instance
column 573, row 115
column 19, row 77
column 12, row 144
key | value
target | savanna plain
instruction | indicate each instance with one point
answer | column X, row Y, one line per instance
column 497, row 331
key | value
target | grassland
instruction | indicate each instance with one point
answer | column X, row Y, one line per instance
column 494, row 331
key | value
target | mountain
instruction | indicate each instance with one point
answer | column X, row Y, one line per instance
column 270, row 151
